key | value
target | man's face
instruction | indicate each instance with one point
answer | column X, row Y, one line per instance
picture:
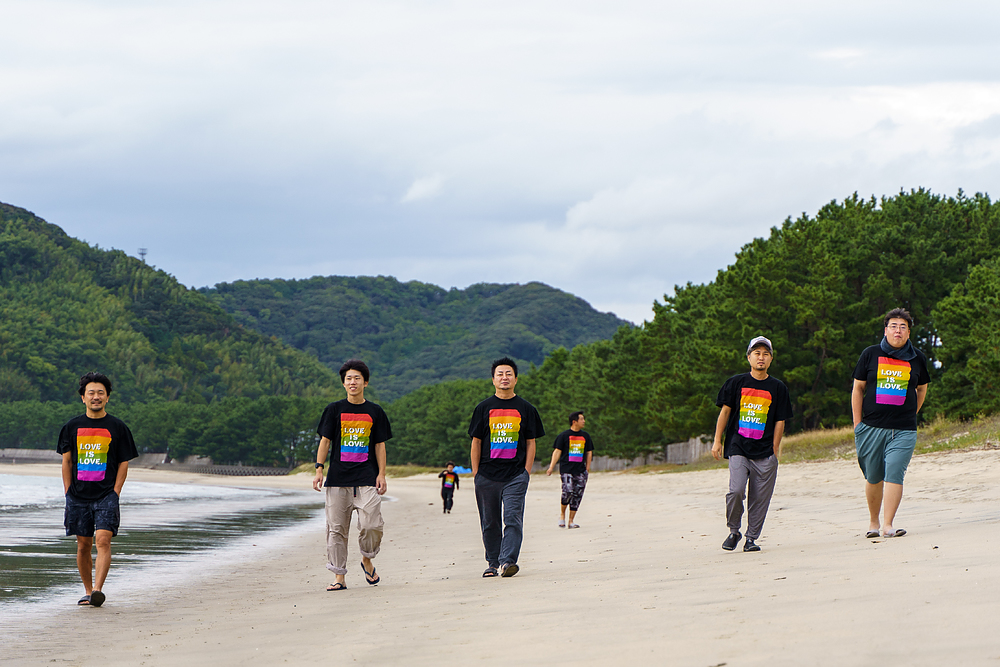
column 580, row 422
column 760, row 358
column 504, row 378
column 354, row 382
column 95, row 396
column 897, row 332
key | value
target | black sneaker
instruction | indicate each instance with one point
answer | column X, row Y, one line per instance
column 750, row 545
column 731, row 541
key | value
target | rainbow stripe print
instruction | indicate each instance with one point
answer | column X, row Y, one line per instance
column 92, row 445
column 576, row 444
column 505, row 427
column 449, row 481
column 892, row 380
column 354, row 433
column 754, row 406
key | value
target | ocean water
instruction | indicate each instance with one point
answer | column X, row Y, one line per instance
column 167, row 532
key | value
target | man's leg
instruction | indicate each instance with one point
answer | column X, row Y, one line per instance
column 490, row 504
column 869, row 443
column 513, row 494
column 85, row 561
column 764, row 472
column 739, row 473
column 873, row 494
column 370, row 526
column 567, row 492
column 579, row 483
column 339, row 505
column 103, row 539
column 891, row 498
column 898, row 452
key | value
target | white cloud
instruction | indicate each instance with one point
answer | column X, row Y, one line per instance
column 427, row 187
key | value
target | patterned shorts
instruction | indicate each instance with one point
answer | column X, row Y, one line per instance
column 573, row 486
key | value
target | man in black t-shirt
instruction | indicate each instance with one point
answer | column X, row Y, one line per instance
column 574, row 450
column 96, row 449
column 449, row 485
column 353, row 432
column 890, row 384
column 754, row 408
column 503, row 432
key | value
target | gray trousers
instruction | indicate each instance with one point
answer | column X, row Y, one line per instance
column 761, row 474
column 501, row 516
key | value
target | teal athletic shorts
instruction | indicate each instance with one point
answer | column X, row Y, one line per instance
column 883, row 453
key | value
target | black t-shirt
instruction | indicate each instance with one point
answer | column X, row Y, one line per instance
column 449, row 481
column 504, row 426
column 756, row 406
column 891, row 390
column 98, row 447
column 574, row 446
column 353, row 430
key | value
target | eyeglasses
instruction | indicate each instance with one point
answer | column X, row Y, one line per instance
column 897, row 327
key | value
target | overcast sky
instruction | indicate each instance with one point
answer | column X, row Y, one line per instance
column 610, row 149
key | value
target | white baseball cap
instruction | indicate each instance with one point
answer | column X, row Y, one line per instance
column 760, row 340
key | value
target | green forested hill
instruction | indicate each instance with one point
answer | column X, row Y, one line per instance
column 412, row 334
column 67, row 307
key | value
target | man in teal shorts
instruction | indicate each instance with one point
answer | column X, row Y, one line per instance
column 890, row 384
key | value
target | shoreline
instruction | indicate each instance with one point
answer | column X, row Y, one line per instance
column 644, row 578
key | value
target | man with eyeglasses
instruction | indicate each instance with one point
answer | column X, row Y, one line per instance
column 890, row 384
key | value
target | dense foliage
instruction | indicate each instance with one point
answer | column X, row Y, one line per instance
column 413, row 334
column 67, row 307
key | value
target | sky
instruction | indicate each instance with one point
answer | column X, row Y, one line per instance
column 609, row 149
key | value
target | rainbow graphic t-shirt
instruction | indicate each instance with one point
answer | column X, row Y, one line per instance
column 892, row 379
column 505, row 427
column 754, row 406
column 92, row 445
column 449, row 481
column 355, row 430
column 576, row 445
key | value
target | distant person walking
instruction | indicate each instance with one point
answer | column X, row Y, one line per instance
column 353, row 431
column 753, row 409
column 890, row 384
column 574, row 450
column 96, row 449
column 449, row 485
column 503, row 432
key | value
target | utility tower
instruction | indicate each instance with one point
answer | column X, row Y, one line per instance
column 142, row 255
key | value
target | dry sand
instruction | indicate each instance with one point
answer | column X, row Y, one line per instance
column 642, row 581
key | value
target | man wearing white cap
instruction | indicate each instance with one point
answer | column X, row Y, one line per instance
column 754, row 407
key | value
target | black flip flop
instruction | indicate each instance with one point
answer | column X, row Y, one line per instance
column 371, row 577
column 509, row 570
column 97, row 599
column 490, row 572
column 871, row 534
column 84, row 601
column 337, row 587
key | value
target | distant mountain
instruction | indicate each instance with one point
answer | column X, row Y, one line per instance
column 67, row 308
column 412, row 334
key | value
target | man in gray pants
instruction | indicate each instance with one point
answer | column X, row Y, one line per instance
column 754, row 407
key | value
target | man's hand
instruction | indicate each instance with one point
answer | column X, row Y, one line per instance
column 318, row 480
column 380, row 485
column 717, row 451
column 548, row 471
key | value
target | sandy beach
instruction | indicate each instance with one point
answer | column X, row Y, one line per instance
column 643, row 579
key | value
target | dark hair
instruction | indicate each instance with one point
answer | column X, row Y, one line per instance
column 94, row 376
column 898, row 314
column 355, row 365
column 503, row 361
column 573, row 416
column 449, row 463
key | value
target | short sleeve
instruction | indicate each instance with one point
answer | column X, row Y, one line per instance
column 477, row 429
column 383, row 432
column 786, row 405
column 589, row 447
column 539, row 430
column 327, row 428
column 560, row 442
column 726, row 394
column 126, row 448
column 861, row 369
column 63, row 445
column 924, row 377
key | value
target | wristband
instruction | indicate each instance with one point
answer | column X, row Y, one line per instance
column 320, row 465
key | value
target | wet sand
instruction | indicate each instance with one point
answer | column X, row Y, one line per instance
column 643, row 579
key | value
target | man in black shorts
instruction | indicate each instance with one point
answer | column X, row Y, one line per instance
column 96, row 449
column 574, row 450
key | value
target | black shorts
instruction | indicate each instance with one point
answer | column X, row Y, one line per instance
column 84, row 516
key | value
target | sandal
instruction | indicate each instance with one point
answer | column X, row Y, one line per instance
column 490, row 572
column 337, row 587
column 371, row 577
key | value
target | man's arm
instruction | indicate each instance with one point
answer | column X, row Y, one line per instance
column 921, row 395
column 380, row 484
column 475, row 451
column 590, row 457
column 720, row 428
column 858, row 397
column 67, row 471
column 324, row 449
column 779, row 431
column 530, row 460
column 556, row 453
column 120, row 478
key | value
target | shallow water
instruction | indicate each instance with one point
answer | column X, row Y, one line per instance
column 166, row 530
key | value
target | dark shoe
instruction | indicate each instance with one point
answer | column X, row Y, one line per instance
column 731, row 541
column 490, row 572
column 84, row 601
column 371, row 577
column 509, row 570
column 871, row 534
column 750, row 545
column 337, row 587
column 96, row 599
